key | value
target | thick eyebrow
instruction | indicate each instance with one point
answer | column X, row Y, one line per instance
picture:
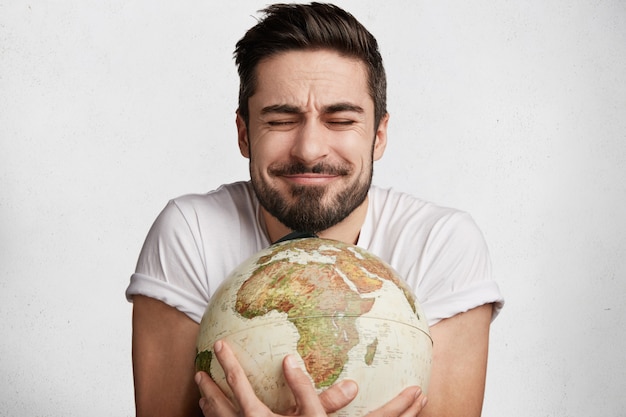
column 341, row 107
column 281, row 108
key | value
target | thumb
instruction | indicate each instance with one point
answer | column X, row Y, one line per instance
column 339, row 395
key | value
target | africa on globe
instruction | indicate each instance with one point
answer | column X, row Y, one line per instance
column 341, row 310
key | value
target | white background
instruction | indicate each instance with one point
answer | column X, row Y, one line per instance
column 513, row 111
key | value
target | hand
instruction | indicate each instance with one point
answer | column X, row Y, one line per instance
column 215, row 404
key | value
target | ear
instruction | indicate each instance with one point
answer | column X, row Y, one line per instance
column 242, row 136
column 380, row 140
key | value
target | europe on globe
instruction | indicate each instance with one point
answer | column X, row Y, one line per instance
column 341, row 310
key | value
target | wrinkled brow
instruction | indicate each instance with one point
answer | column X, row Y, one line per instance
column 281, row 108
column 332, row 108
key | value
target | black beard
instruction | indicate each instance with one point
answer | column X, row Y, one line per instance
column 308, row 213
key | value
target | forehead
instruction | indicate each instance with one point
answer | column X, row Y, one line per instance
column 311, row 77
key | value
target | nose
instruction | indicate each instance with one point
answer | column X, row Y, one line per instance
column 310, row 142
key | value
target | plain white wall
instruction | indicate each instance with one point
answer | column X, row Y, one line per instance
column 513, row 111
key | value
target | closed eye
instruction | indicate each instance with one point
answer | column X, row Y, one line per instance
column 280, row 122
column 341, row 122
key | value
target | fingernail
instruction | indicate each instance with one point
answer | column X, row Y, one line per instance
column 202, row 402
column 349, row 388
column 198, row 377
column 291, row 361
column 418, row 392
column 217, row 346
column 424, row 401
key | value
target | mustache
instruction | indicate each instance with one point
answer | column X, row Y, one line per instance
column 295, row 168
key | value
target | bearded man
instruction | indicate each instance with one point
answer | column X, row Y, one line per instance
column 312, row 120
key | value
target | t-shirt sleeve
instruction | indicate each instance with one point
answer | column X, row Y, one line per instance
column 456, row 270
column 171, row 266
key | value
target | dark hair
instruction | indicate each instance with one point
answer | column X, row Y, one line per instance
column 286, row 27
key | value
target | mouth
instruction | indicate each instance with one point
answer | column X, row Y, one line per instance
column 301, row 174
column 310, row 179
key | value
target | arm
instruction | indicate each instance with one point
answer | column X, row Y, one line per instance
column 460, row 346
column 163, row 360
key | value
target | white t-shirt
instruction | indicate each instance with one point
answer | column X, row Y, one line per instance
column 197, row 240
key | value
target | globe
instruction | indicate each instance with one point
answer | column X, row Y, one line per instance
column 341, row 310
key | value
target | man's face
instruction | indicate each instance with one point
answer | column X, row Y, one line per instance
column 311, row 137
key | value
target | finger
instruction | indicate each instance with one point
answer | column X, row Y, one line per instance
column 306, row 397
column 417, row 406
column 238, row 381
column 213, row 401
column 339, row 395
column 408, row 403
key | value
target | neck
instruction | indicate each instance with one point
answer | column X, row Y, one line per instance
column 346, row 231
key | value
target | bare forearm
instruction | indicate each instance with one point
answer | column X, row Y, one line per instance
column 460, row 348
column 163, row 358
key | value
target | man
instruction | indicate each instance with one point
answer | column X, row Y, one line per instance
column 312, row 120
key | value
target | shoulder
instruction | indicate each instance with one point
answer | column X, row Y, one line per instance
column 413, row 223
column 439, row 250
column 412, row 233
column 228, row 211
column 399, row 212
column 237, row 194
column 197, row 239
